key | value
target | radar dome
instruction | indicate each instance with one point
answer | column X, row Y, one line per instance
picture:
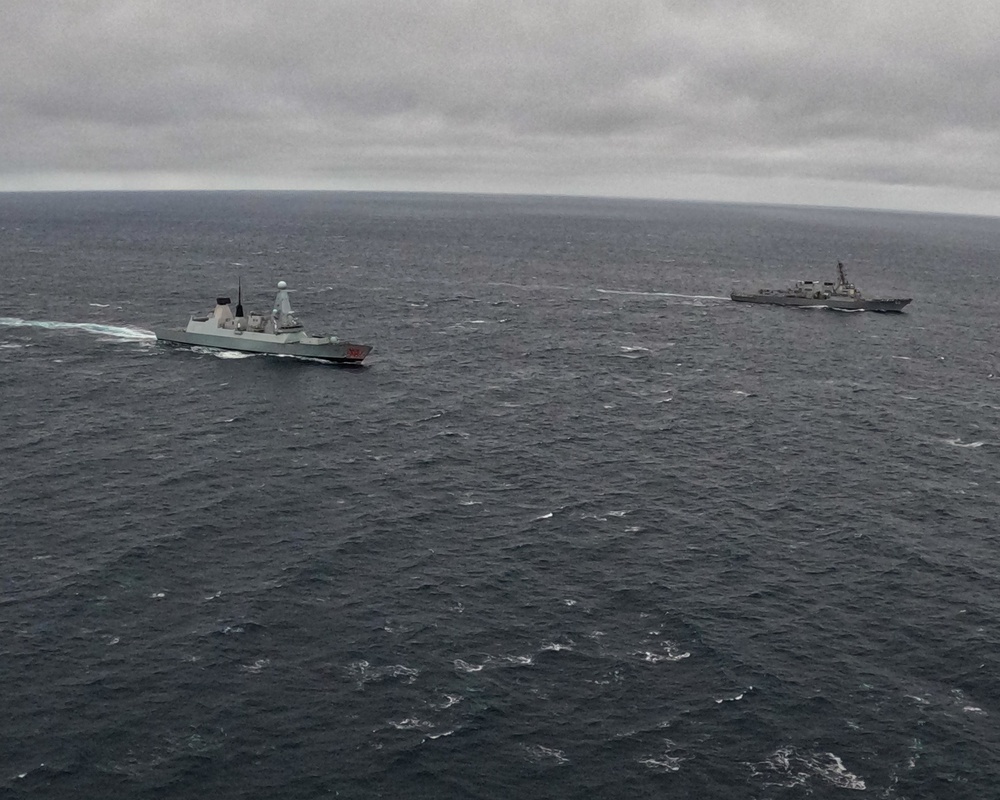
column 282, row 284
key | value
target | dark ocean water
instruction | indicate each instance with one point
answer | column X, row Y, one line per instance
column 582, row 528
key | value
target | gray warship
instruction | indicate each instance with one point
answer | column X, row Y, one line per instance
column 277, row 332
column 842, row 295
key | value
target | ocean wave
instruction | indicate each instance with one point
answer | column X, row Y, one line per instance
column 787, row 767
column 538, row 752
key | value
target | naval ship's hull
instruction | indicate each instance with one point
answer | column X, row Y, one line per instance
column 269, row 344
column 842, row 303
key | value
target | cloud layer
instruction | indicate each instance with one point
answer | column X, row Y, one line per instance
column 873, row 100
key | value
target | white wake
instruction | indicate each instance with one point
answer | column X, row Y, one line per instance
column 664, row 294
column 116, row 331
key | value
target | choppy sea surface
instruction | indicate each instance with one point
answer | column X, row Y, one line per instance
column 581, row 528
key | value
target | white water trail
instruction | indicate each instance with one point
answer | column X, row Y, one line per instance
column 135, row 334
column 664, row 294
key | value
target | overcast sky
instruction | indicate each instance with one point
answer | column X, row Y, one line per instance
column 872, row 103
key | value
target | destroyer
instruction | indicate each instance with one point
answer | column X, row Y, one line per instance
column 842, row 295
column 274, row 333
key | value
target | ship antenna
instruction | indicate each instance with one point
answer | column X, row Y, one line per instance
column 239, row 296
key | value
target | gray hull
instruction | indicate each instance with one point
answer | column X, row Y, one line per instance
column 843, row 303
column 335, row 352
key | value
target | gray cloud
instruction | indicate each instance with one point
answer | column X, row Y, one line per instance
column 646, row 97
